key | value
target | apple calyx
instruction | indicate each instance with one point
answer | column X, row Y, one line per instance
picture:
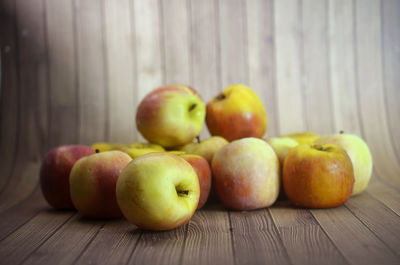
column 181, row 193
column 341, row 132
column 192, row 107
column 220, row 97
column 319, row 147
column 97, row 151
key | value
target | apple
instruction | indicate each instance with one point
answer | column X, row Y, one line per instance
column 104, row 147
column 207, row 148
column 138, row 149
column 203, row 171
column 54, row 173
column 359, row 154
column 281, row 146
column 303, row 137
column 246, row 174
column 236, row 113
column 171, row 116
column 318, row 176
column 93, row 182
column 158, row 191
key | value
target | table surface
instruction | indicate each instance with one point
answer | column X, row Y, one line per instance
column 366, row 230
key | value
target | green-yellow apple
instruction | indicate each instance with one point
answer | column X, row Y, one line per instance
column 158, row 191
column 236, row 113
column 54, row 173
column 171, row 116
column 138, row 149
column 93, row 182
column 203, row 172
column 281, row 146
column 318, row 176
column 246, row 174
column 359, row 154
column 303, row 137
column 206, row 148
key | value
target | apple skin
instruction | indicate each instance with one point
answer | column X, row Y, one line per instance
column 236, row 113
column 158, row 191
column 104, row 147
column 203, row 171
column 206, row 148
column 318, row 176
column 54, row 173
column 138, row 149
column 171, row 116
column 303, row 137
column 93, row 182
column 359, row 154
column 246, row 174
column 281, row 146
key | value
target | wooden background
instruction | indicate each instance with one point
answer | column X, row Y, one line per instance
column 74, row 71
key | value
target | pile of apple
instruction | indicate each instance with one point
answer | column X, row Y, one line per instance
column 160, row 184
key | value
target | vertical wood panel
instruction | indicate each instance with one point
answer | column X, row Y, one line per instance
column 316, row 66
column 232, row 42
column 289, row 79
column 176, row 32
column 369, row 76
column 91, row 71
column 63, row 80
column 390, row 16
column 120, row 71
column 260, row 30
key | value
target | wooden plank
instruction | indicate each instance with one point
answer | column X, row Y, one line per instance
column 15, row 216
column 176, row 38
column 113, row 244
column 315, row 61
column 159, row 247
column 204, row 63
column 232, row 42
column 289, row 81
column 63, row 92
column 66, row 244
column 91, row 71
column 370, row 89
column 19, row 245
column 149, row 51
column 304, row 239
column 208, row 238
column 390, row 16
column 382, row 221
column 261, row 63
column 120, row 71
column 357, row 243
column 256, row 240
column 9, row 115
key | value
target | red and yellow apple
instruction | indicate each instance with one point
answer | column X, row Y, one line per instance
column 54, row 173
column 318, row 176
column 359, row 154
column 171, row 116
column 236, row 113
column 203, row 171
column 93, row 182
column 246, row 174
column 158, row 191
column 207, row 148
column 303, row 137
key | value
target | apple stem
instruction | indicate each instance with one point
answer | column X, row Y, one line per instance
column 341, row 132
column 198, row 138
column 192, row 107
column 220, row 96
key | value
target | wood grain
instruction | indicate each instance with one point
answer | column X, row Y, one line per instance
column 74, row 72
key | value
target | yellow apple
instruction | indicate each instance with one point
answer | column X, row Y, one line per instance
column 236, row 113
column 158, row 191
column 171, row 116
column 246, row 174
column 318, row 176
column 206, row 148
column 303, row 137
column 138, row 149
column 359, row 154
column 104, row 147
